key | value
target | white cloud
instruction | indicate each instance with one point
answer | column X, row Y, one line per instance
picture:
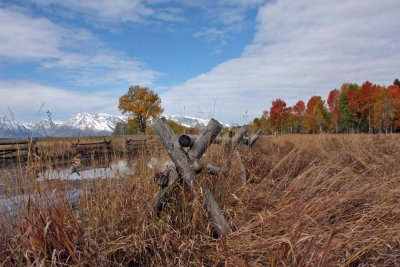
column 116, row 11
column 29, row 100
column 213, row 37
column 226, row 19
column 73, row 53
column 301, row 48
column 123, row 10
column 24, row 37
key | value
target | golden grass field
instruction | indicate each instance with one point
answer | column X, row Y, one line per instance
column 311, row 200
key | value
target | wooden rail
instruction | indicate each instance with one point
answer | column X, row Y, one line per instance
column 92, row 147
column 12, row 149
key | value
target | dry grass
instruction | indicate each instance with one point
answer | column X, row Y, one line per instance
column 313, row 200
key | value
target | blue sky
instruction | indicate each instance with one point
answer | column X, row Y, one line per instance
column 222, row 59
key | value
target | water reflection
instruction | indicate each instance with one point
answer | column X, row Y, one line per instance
column 115, row 169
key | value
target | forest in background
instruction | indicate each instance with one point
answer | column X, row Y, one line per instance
column 369, row 108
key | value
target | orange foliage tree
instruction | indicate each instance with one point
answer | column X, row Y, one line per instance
column 279, row 115
column 316, row 118
column 367, row 108
column 141, row 104
column 298, row 115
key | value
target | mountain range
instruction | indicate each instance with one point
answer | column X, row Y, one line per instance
column 81, row 124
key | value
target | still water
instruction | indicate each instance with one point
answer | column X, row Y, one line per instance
column 115, row 169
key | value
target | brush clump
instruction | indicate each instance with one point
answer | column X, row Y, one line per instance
column 311, row 200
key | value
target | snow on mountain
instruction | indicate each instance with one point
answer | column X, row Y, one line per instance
column 191, row 121
column 10, row 129
column 44, row 128
column 89, row 124
column 82, row 124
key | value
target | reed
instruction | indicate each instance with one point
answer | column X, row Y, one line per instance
column 310, row 200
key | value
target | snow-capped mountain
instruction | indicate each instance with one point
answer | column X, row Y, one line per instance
column 44, row 127
column 87, row 124
column 191, row 121
column 82, row 124
column 11, row 129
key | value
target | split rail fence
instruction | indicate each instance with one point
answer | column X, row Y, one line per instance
column 186, row 152
column 13, row 149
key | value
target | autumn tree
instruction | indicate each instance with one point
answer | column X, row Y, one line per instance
column 353, row 93
column 322, row 117
column 298, row 115
column 141, row 104
column 333, row 104
column 367, row 108
column 368, row 95
column 278, row 115
column 395, row 93
column 316, row 118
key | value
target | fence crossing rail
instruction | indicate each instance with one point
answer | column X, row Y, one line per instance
column 186, row 153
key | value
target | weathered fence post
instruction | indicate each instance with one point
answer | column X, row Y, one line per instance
column 188, row 166
column 237, row 138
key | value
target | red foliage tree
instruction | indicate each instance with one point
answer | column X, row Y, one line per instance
column 298, row 114
column 368, row 95
column 278, row 115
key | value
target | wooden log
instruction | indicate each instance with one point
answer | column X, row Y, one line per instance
column 183, row 164
column 254, row 138
column 214, row 212
column 164, row 190
column 239, row 136
column 162, row 178
column 93, row 144
column 10, row 150
column 242, row 173
column 186, row 140
column 205, row 138
column 215, row 170
column 17, row 142
column 196, row 165
column 6, row 152
column 175, row 151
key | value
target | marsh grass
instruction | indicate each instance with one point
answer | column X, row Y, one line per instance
column 312, row 200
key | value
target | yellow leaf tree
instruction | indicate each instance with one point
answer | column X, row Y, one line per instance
column 141, row 104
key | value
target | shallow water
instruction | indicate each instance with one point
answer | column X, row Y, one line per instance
column 116, row 169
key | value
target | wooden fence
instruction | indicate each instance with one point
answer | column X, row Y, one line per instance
column 13, row 149
column 186, row 153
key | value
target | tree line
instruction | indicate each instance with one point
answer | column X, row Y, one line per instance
column 366, row 108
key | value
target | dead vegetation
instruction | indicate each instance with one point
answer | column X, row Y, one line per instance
column 311, row 200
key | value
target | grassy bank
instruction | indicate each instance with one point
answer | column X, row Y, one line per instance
column 312, row 200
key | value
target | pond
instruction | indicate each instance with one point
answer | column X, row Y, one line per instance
column 115, row 169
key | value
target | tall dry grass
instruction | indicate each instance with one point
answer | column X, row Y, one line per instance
column 312, row 200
